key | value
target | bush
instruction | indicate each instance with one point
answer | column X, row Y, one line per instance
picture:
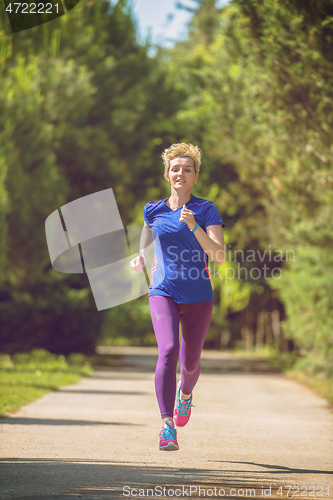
column 53, row 323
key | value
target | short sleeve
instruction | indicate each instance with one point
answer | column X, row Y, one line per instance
column 212, row 216
column 146, row 212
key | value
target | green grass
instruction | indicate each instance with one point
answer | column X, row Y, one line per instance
column 26, row 377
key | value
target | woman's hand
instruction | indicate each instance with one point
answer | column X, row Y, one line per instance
column 187, row 216
column 138, row 263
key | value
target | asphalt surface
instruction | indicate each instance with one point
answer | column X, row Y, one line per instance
column 251, row 434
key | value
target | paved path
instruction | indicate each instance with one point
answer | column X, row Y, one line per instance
column 249, row 434
column 145, row 358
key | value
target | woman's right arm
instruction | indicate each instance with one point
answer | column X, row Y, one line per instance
column 146, row 242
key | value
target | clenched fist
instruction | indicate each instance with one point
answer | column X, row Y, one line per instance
column 187, row 216
column 138, row 263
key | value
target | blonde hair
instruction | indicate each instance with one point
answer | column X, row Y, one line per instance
column 181, row 150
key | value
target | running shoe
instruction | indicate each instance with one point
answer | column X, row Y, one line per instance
column 168, row 437
column 182, row 411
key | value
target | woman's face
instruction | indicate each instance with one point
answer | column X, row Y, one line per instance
column 182, row 174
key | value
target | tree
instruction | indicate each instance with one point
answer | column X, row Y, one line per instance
column 77, row 99
column 260, row 102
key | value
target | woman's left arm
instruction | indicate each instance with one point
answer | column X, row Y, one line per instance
column 211, row 242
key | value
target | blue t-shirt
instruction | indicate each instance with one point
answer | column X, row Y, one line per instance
column 180, row 265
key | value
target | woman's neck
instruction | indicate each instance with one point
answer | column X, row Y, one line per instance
column 177, row 200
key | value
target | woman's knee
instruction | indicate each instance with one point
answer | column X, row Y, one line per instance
column 169, row 354
column 191, row 367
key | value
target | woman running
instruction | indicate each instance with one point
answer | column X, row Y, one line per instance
column 189, row 230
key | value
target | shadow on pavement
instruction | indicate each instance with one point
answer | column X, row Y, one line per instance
column 114, row 393
column 56, row 421
column 277, row 468
column 92, row 479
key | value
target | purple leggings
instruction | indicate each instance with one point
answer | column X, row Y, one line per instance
column 194, row 319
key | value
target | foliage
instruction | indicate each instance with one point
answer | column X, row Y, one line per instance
column 83, row 107
column 306, row 290
column 77, row 98
column 260, row 78
column 129, row 324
